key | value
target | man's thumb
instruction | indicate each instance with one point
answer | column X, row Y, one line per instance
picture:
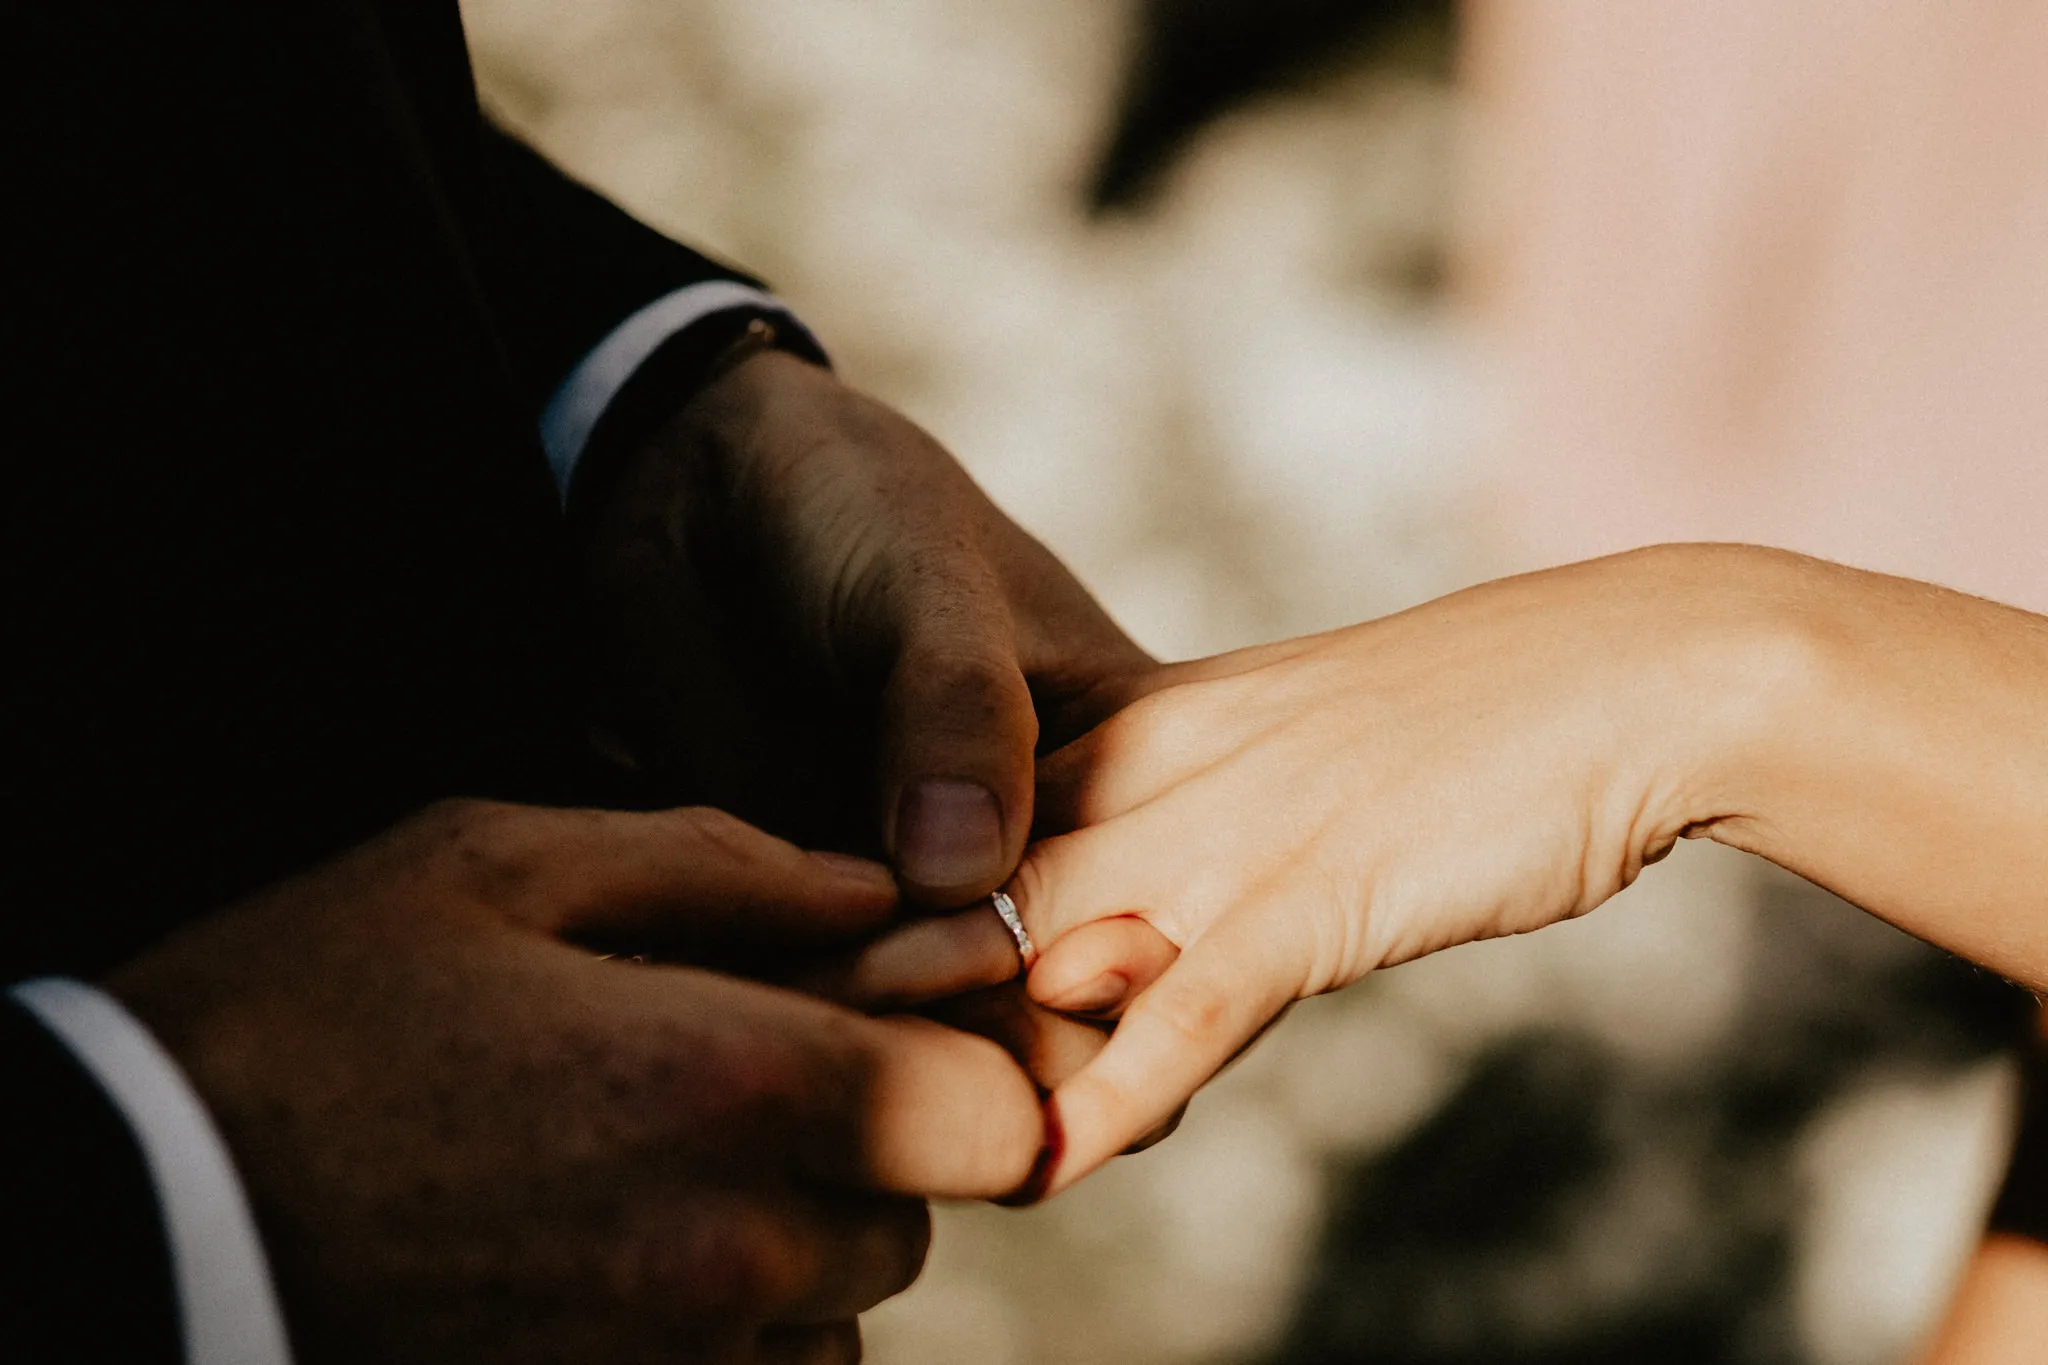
column 958, row 731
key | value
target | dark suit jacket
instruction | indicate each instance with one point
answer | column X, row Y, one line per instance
column 285, row 557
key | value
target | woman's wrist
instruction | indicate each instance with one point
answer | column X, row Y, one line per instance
column 1878, row 736
column 1889, row 745
column 1734, row 670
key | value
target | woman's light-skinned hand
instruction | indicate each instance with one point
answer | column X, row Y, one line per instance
column 1291, row 817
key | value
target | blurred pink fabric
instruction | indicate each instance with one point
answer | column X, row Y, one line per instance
column 1773, row 272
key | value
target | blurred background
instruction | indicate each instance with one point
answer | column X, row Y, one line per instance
column 1273, row 315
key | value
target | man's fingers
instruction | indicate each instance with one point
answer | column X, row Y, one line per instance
column 958, row 733
column 842, row 1253
column 800, row 1088
column 925, row 960
column 1172, row 1039
column 689, row 875
column 1097, row 968
column 943, row 1114
column 772, row 1252
column 1049, row 1046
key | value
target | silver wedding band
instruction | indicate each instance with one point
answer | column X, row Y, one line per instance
column 1007, row 909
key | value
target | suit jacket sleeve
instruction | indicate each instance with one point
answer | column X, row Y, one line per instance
column 92, row 1276
column 566, row 266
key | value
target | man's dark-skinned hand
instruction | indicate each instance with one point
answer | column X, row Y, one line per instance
column 818, row 621
column 468, row 1137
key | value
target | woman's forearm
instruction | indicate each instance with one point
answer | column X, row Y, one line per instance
column 1895, row 752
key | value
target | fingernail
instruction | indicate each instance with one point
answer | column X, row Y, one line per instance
column 949, row 833
column 1097, row 993
column 864, row 872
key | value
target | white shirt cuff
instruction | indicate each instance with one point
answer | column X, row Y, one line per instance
column 573, row 412
column 225, row 1297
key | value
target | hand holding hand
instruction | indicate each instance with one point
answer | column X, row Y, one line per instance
column 963, row 969
column 465, row 1137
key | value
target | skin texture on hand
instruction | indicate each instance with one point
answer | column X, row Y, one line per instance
column 816, row 620
column 1291, row 817
column 466, row 1137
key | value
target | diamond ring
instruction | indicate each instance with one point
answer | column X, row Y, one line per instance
column 1007, row 909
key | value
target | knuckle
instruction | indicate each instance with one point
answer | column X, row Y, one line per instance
column 719, row 832
column 453, row 818
column 976, row 674
column 489, row 843
column 1182, row 721
column 1195, row 1015
column 1143, row 724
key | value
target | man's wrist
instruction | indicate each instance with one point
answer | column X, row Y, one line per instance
column 769, row 411
column 652, row 363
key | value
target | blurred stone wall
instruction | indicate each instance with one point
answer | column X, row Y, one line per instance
column 1243, row 411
